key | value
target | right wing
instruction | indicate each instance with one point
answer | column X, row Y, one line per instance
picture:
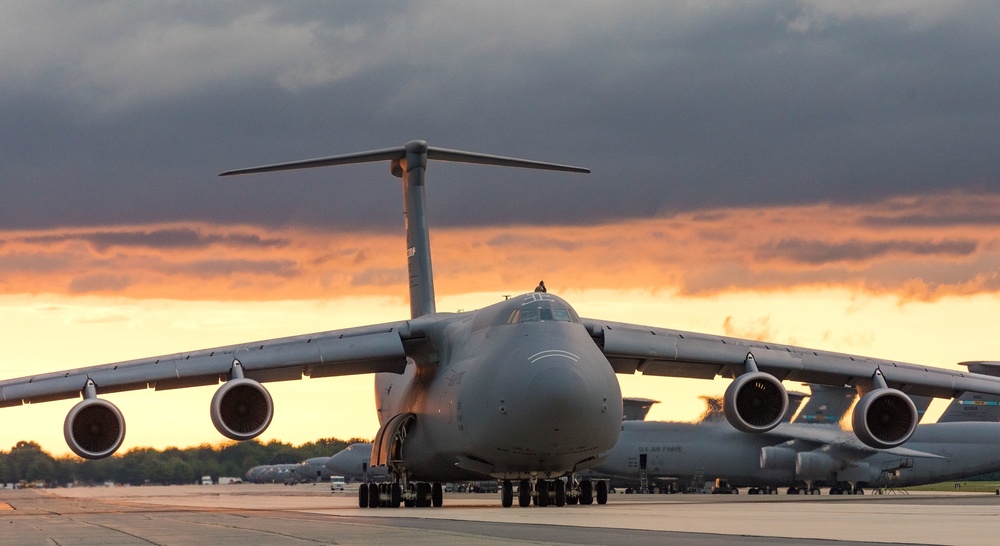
column 366, row 349
column 241, row 408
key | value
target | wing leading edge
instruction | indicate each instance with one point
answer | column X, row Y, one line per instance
column 369, row 349
column 634, row 349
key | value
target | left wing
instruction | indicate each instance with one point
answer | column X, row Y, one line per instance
column 241, row 408
column 884, row 418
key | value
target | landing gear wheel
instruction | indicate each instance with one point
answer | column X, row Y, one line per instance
column 506, row 494
column 363, row 496
column 560, row 493
column 572, row 500
column 602, row 492
column 524, row 493
column 410, row 503
column 395, row 495
column 542, row 488
column 373, row 499
column 423, row 495
column 437, row 495
column 586, row 492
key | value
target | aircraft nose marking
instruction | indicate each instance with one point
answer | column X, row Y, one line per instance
column 553, row 353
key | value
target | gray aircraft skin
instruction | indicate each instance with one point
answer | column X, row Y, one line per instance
column 521, row 390
column 808, row 452
column 313, row 469
column 352, row 463
column 801, row 456
column 274, row 473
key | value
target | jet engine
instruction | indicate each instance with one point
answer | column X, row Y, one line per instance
column 755, row 402
column 241, row 409
column 884, row 418
column 777, row 458
column 94, row 428
column 815, row 466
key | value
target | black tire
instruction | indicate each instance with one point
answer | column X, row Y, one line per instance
column 437, row 495
column 423, row 495
column 602, row 492
column 560, row 493
column 506, row 494
column 373, row 500
column 395, row 495
column 524, row 493
column 586, row 492
column 363, row 496
column 542, row 488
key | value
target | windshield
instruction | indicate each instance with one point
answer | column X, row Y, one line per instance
column 534, row 312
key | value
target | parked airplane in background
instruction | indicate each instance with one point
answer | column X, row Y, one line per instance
column 521, row 391
column 274, row 473
column 313, row 469
column 352, row 463
column 803, row 455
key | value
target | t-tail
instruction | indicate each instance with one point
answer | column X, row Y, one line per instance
column 409, row 162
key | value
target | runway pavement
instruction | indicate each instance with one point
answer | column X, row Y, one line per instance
column 250, row 515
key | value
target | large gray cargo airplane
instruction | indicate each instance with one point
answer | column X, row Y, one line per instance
column 520, row 391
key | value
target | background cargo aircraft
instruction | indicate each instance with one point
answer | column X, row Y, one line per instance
column 352, row 463
column 313, row 469
column 523, row 390
column 806, row 453
column 274, row 473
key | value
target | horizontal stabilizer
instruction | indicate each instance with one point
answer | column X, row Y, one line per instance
column 399, row 152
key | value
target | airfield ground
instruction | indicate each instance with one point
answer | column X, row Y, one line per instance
column 249, row 515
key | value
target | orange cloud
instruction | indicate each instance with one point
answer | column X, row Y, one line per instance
column 918, row 248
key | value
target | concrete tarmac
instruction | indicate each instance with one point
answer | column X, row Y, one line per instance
column 249, row 515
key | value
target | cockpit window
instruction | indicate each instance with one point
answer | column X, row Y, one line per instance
column 539, row 314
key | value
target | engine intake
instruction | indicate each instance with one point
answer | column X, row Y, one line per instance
column 242, row 409
column 755, row 402
column 94, row 428
column 884, row 418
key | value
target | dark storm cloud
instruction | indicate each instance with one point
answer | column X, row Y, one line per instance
column 123, row 113
column 166, row 238
column 822, row 252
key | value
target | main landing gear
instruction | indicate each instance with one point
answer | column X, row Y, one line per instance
column 553, row 492
column 391, row 495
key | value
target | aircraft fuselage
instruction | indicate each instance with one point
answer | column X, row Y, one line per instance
column 514, row 390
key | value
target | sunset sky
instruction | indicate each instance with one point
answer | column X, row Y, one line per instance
column 807, row 173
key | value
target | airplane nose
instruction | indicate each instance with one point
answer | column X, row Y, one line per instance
column 557, row 393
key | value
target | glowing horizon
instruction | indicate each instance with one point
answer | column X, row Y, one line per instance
column 912, row 279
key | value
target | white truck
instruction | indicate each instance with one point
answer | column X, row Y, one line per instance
column 337, row 483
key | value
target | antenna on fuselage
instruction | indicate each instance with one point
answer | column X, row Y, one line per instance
column 409, row 162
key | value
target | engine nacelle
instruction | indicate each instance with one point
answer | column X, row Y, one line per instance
column 810, row 466
column 884, row 418
column 94, row 428
column 777, row 458
column 242, row 409
column 755, row 402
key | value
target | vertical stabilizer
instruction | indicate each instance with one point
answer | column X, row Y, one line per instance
column 409, row 163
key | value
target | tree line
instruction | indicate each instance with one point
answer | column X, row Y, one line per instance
column 27, row 462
